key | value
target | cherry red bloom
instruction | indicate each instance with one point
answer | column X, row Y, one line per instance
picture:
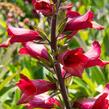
column 75, row 61
column 20, row 35
column 77, row 22
column 30, row 88
column 42, row 101
column 43, row 6
column 99, row 102
column 38, row 51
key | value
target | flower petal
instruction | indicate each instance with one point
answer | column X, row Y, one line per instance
column 43, row 85
column 26, row 85
column 86, row 17
column 96, row 26
column 97, row 62
column 22, row 35
column 23, row 51
column 43, row 101
column 84, row 103
column 101, row 102
column 75, row 70
column 74, row 57
column 37, row 51
column 93, row 55
column 94, row 52
column 72, row 14
column 73, row 61
column 6, row 43
column 25, row 98
column 64, row 73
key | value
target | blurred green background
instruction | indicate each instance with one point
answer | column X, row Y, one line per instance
column 20, row 13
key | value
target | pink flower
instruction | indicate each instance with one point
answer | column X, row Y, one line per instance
column 38, row 51
column 43, row 6
column 42, row 101
column 99, row 102
column 75, row 61
column 77, row 22
column 30, row 88
column 20, row 35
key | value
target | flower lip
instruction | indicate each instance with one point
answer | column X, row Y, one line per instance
column 94, row 52
column 26, row 85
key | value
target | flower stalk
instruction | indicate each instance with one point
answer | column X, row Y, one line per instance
column 57, row 67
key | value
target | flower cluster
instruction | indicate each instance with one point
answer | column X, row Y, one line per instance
column 72, row 61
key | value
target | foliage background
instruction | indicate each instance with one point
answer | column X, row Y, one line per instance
column 12, row 64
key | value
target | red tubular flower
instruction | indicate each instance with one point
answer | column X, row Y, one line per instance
column 99, row 102
column 42, row 101
column 33, row 87
column 43, row 6
column 77, row 22
column 75, row 61
column 20, row 35
column 38, row 51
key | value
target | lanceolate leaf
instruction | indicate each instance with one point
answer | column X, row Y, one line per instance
column 7, row 80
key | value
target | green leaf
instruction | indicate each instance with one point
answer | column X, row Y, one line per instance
column 92, row 85
column 6, row 106
column 82, row 84
column 97, row 75
column 2, row 23
column 42, row 33
column 5, row 96
column 26, row 72
column 7, row 80
column 61, row 26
